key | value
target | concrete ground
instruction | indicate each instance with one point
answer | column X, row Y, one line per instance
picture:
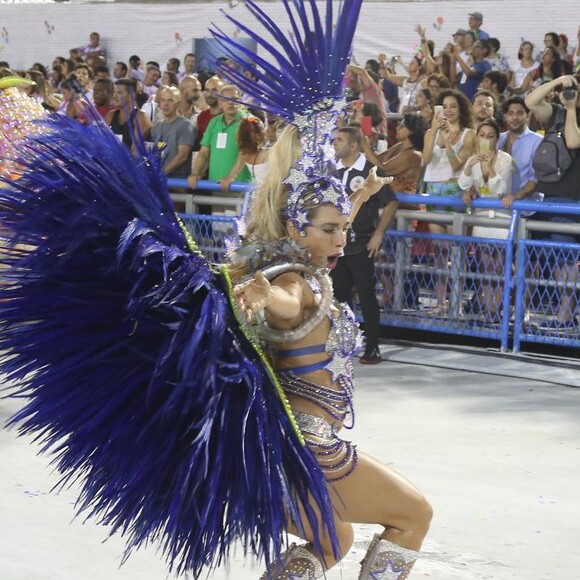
column 493, row 442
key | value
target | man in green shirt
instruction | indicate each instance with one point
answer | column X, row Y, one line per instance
column 219, row 148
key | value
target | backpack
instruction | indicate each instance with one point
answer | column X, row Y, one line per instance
column 552, row 157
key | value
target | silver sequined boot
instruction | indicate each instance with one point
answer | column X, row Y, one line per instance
column 386, row 561
column 296, row 564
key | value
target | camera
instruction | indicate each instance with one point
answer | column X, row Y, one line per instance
column 569, row 93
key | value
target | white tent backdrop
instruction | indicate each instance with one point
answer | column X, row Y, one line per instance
column 38, row 33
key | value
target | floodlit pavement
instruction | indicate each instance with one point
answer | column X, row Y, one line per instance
column 493, row 442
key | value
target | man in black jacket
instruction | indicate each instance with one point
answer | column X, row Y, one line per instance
column 356, row 269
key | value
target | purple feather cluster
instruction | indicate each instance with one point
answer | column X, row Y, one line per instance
column 137, row 376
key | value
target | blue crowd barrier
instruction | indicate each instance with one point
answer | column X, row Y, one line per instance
column 518, row 277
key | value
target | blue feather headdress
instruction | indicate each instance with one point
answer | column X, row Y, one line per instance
column 300, row 79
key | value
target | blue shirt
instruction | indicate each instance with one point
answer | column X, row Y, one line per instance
column 469, row 86
column 480, row 34
column 523, row 149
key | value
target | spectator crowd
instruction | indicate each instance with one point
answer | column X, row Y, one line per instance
column 456, row 120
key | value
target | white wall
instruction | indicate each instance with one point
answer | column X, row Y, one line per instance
column 30, row 33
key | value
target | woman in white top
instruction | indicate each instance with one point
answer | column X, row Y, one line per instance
column 448, row 144
column 525, row 65
column 488, row 173
column 410, row 84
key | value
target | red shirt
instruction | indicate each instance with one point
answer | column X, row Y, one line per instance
column 203, row 120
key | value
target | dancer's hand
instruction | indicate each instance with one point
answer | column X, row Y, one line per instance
column 252, row 295
column 372, row 184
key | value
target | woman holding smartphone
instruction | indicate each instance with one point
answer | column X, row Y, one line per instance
column 488, row 173
column 448, row 144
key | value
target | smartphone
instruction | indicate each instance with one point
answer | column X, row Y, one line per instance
column 366, row 125
column 483, row 146
column 438, row 110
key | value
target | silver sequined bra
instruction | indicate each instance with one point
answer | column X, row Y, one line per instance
column 336, row 457
column 342, row 344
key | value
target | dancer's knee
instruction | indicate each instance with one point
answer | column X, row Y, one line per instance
column 345, row 539
column 421, row 517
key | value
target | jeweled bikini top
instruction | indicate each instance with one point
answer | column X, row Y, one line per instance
column 344, row 341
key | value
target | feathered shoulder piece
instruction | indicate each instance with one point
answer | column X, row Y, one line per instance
column 138, row 376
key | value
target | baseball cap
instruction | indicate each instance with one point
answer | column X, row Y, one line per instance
column 477, row 15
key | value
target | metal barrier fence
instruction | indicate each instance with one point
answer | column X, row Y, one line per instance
column 514, row 290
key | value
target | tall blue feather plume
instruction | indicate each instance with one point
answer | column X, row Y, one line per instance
column 138, row 377
column 296, row 73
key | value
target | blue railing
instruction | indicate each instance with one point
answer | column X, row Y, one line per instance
column 506, row 290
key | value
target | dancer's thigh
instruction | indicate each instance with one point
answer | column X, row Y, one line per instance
column 376, row 494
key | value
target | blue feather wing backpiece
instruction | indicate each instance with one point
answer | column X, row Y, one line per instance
column 138, row 377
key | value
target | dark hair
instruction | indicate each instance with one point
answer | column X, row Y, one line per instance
column 470, row 33
column 150, row 63
column 108, row 83
column 462, row 102
column 129, row 84
column 497, row 78
column 82, row 65
column 494, row 43
column 420, row 61
column 173, row 81
column 515, row 100
column 376, row 78
column 520, row 51
column 441, row 80
column 123, row 66
column 39, row 87
column 373, row 111
column 72, row 84
column 556, row 68
column 353, row 134
column 485, row 93
column 446, row 65
column 251, row 134
column 485, row 46
column 41, row 68
column 417, row 127
column 428, row 95
column 554, row 36
column 373, row 64
column 491, row 122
